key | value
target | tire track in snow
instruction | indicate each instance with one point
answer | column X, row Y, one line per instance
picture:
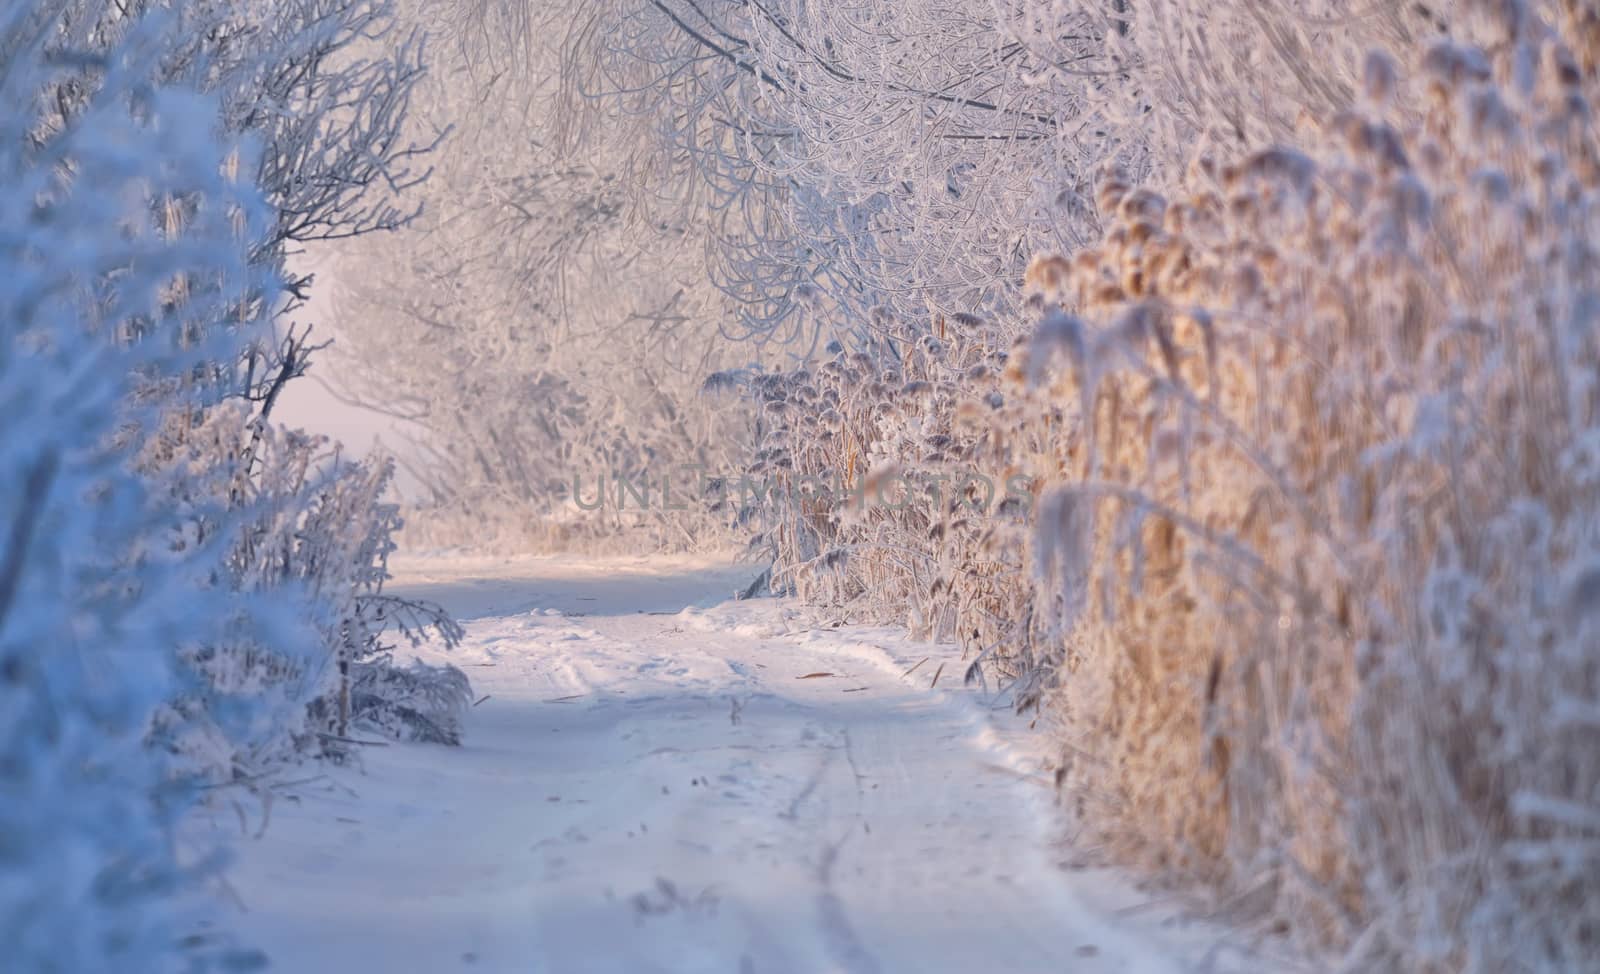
column 844, row 945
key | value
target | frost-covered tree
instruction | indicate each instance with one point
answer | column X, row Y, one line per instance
column 632, row 185
column 539, row 321
column 913, row 155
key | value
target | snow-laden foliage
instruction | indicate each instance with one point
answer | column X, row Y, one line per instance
column 824, row 159
column 305, row 531
column 184, row 589
column 104, row 293
column 908, row 155
column 312, row 530
column 875, row 499
column 913, row 155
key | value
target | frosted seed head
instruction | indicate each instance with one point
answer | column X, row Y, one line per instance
column 1117, row 241
column 1268, row 260
column 1107, row 294
column 1488, row 116
column 1245, row 284
column 1282, row 167
column 1451, row 67
column 1199, row 320
column 1285, row 168
column 1142, row 205
column 1548, row 168
column 1047, row 275
column 1137, row 324
column 1410, row 200
column 1177, row 220
column 967, row 324
column 1431, row 158
column 1558, row 69
column 970, row 413
column 1085, row 269
column 1379, row 78
column 1109, row 194
column 1503, row 20
column 1134, row 280
column 1059, row 333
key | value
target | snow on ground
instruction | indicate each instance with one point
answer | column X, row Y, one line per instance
column 657, row 778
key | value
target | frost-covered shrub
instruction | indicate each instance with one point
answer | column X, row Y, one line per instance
column 124, row 239
column 310, row 530
column 177, row 579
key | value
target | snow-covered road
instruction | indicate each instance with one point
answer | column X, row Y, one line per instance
column 658, row 779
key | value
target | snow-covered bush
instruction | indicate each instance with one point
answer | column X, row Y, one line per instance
column 295, row 78
column 312, row 531
column 178, row 580
column 125, row 239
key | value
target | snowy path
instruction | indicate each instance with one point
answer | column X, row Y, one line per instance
column 650, row 787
